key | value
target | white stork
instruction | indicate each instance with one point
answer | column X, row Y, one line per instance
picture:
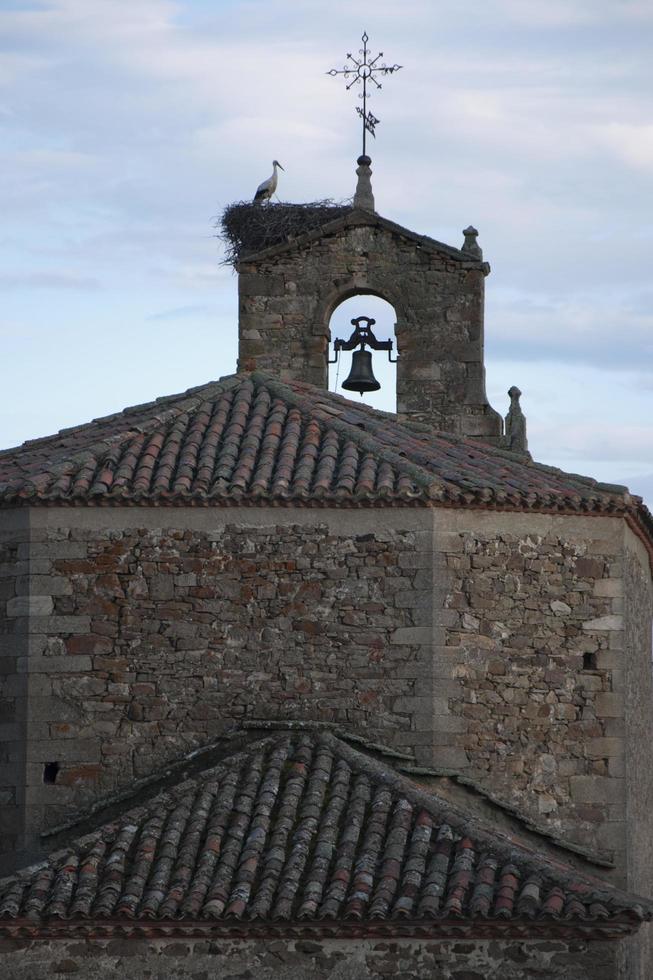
column 265, row 190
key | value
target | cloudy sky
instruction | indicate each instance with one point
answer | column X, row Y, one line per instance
column 128, row 125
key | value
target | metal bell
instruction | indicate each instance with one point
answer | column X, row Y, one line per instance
column 361, row 377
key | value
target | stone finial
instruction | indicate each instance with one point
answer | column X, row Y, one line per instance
column 515, row 437
column 364, row 198
column 470, row 244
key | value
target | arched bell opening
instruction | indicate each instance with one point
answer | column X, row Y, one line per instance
column 365, row 361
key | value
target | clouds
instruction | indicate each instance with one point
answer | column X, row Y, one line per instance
column 48, row 280
column 631, row 143
column 179, row 313
column 558, row 14
column 127, row 125
column 598, row 330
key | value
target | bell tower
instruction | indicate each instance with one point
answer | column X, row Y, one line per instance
column 289, row 288
column 288, row 291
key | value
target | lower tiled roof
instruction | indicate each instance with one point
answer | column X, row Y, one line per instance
column 252, row 439
column 301, row 828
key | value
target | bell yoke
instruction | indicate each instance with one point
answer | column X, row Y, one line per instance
column 361, row 377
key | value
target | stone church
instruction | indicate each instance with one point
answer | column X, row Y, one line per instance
column 292, row 687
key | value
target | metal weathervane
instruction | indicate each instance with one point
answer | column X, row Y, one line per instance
column 365, row 71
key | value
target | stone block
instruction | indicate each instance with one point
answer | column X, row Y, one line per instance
column 560, row 608
column 253, row 284
column 11, row 686
column 618, row 677
column 423, row 705
column 30, row 605
column 66, row 750
column 450, row 757
column 614, row 727
column 423, row 579
column 590, row 568
column 47, row 625
column 608, row 659
column 415, row 559
column 411, row 636
column 53, row 550
column 611, row 836
column 53, row 665
column 617, row 767
column 617, row 811
column 411, row 671
column 609, row 705
column 43, row 585
column 596, row 789
column 10, row 730
column 161, row 587
column 599, row 748
column 591, row 682
column 8, row 661
column 447, row 722
column 10, row 569
column 604, row 623
column 609, row 587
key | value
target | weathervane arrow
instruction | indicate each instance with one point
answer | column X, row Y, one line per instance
column 363, row 70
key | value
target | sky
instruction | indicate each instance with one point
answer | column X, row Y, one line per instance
column 127, row 126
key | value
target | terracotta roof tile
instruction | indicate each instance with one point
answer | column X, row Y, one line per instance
column 301, row 828
column 251, row 438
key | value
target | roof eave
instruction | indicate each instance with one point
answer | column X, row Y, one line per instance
column 421, row 929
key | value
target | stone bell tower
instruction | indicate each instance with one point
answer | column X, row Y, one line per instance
column 287, row 293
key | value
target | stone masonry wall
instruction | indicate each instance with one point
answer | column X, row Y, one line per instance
column 154, row 641
column 313, row 959
column 634, row 665
column 494, row 645
column 287, row 297
column 13, row 683
column 532, row 671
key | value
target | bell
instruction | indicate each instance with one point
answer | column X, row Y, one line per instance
column 361, row 377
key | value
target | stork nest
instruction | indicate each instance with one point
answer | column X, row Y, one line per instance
column 247, row 228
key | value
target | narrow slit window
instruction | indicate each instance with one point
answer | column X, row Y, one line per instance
column 50, row 771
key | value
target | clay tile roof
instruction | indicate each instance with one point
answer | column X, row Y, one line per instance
column 250, row 438
column 300, row 830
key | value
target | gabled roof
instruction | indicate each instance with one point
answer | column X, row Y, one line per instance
column 297, row 832
column 358, row 218
column 251, row 439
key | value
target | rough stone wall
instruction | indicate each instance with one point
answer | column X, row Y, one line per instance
column 514, row 649
column 311, row 960
column 634, row 663
column 286, row 300
column 154, row 641
column 13, row 679
column 531, row 667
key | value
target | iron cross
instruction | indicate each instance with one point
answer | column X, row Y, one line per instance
column 363, row 70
